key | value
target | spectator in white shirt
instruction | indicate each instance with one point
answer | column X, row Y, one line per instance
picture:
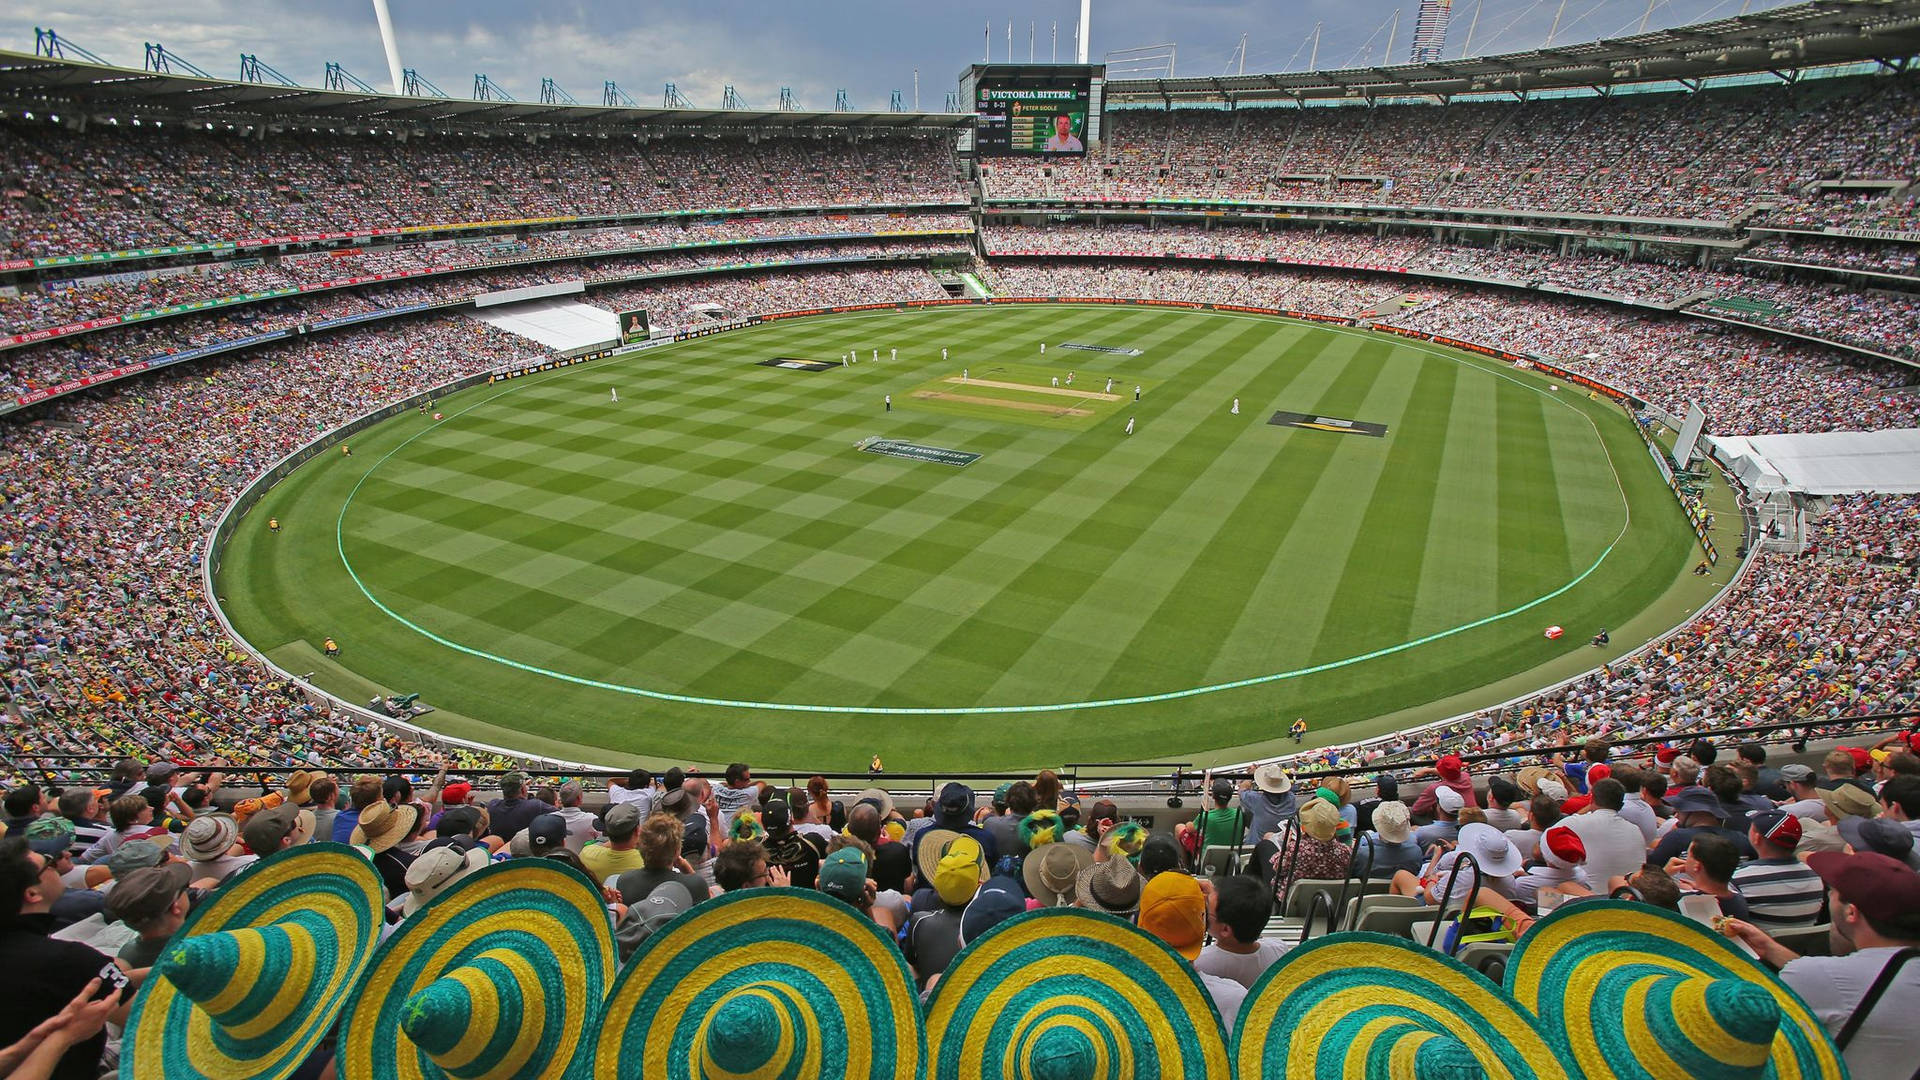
column 1237, row 915
column 1614, row 845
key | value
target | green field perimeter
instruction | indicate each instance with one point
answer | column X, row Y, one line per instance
column 716, row 534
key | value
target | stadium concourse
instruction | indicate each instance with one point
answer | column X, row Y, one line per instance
column 178, row 811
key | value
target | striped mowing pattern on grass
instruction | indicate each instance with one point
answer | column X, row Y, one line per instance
column 716, row 534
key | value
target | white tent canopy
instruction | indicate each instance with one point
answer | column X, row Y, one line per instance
column 561, row 325
column 1834, row 463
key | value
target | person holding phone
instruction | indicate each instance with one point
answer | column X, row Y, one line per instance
column 46, row 975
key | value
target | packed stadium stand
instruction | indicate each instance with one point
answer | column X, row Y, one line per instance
column 1730, row 816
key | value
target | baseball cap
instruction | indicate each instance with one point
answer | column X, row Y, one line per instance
column 1862, row 761
column 667, row 902
column 961, row 869
column 1889, row 838
column 1551, row 788
column 547, row 833
column 778, row 815
column 1777, row 827
column 1173, row 909
column 244, row 810
column 134, row 855
column 1448, row 799
column 1665, row 755
column 1000, row 794
column 622, row 817
column 1796, row 773
column 455, row 794
column 1450, row 766
column 51, row 835
column 844, row 875
column 997, row 901
column 458, row 821
column 143, row 895
column 1222, row 788
column 1881, row 887
column 160, row 770
column 264, row 831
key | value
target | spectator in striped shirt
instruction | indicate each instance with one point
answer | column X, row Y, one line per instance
column 83, row 807
column 1781, row 893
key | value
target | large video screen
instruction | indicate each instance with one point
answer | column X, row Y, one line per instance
column 1045, row 121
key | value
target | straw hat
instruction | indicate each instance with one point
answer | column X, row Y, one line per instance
column 209, row 836
column 501, row 975
column 1320, row 820
column 1366, row 1005
column 927, row 848
column 1064, row 992
column 383, row 825
column 1112, row 886
column 1612, row 981
column 255, row 979
column 763, row 982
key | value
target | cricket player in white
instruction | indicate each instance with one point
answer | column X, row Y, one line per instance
column 1043, row 348
column 943, row 354
column 616, row 394
column 893, row 354
column 963, row 374
column 876, row 356
column 1109, row 384
column 1236, row 406
column 1129, row 425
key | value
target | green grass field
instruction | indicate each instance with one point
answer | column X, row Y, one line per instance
column 543, row 560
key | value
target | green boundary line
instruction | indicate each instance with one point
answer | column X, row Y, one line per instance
column 975, row 710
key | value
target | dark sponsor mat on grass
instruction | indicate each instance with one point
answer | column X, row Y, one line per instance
column 1328, row 423
column 1112, row 350
column 798, row 364
column 916, row 452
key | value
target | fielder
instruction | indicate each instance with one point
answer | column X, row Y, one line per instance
column 1136, row 391
column 1129, row 425
column 943, row 353
column 893, row 354
column 1043, row 348
column 889, row 402
column 1109, row 384
column 1236, row 406
column 615, row 391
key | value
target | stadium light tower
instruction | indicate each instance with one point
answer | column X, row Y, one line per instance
column 1086, row 24
column 386, row 40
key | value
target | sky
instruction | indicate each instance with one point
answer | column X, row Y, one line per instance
column 867, row 47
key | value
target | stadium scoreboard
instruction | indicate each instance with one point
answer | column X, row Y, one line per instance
column 1038, row 110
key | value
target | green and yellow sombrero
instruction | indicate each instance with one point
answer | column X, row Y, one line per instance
column 1064, row 993
column 502, row 976
column 1633, row 991
column 256, row 977
column 1377, row 1007
column 764, row 983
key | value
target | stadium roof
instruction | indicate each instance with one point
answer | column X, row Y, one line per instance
column 1780, row 40
column 54, row 84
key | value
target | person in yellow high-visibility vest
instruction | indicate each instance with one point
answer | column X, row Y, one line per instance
column 1298, row 730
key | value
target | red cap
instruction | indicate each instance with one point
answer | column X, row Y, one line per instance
column 1450, row 766
column 1777, row 826
column 1913, row 742
column 1565, row 844
column 455, row 794
column 1598, row 773
column 1666, row 754
column 1881, row 887
column 1862, row 761
column 1576, row 804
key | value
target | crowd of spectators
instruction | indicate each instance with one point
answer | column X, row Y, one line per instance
column 51, row 363
column 1748, row 383
column 1811, row 870
column 58, row 303
column 1707, row 156
column 1900, row 259
column 120, row 187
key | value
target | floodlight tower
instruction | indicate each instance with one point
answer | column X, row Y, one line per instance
column 386, row 40
column 1086, row 25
